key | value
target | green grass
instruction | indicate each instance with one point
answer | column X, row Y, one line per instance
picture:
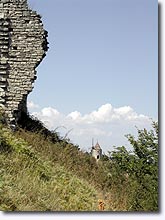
column 29, row 182
column 40, row 171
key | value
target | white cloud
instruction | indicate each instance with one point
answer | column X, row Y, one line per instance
column 32, row 105
column 75, row 115
column 49, row 116
column 107, row 124
column 50, row 112
column 102, row 115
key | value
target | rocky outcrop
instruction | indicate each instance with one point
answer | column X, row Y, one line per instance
column 23, row 45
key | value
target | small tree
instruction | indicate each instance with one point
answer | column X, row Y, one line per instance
column 141, row 165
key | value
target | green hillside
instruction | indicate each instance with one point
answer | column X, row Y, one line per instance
column 41, row 171
column 30, row 182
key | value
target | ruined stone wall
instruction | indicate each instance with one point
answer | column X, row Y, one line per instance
column 23, row 44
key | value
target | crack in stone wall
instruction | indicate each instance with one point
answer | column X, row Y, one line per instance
column 23, row 45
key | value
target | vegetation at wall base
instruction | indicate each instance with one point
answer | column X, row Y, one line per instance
column 41, row 171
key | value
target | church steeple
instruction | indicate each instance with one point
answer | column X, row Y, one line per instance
column 96, row 150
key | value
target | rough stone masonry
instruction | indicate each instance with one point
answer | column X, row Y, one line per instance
column 23, row 45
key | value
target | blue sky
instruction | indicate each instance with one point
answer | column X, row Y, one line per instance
column 103, row 54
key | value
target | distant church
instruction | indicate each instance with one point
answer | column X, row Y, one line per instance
column 96, row 151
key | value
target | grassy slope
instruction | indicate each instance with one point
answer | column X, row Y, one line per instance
column 41, row 171
column 29, row 182
column 113, row 191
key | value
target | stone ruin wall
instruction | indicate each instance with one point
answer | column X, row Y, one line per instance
column 23, row 45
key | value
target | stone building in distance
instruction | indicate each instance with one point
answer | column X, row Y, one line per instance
column 23, row 45
column 96, row 151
